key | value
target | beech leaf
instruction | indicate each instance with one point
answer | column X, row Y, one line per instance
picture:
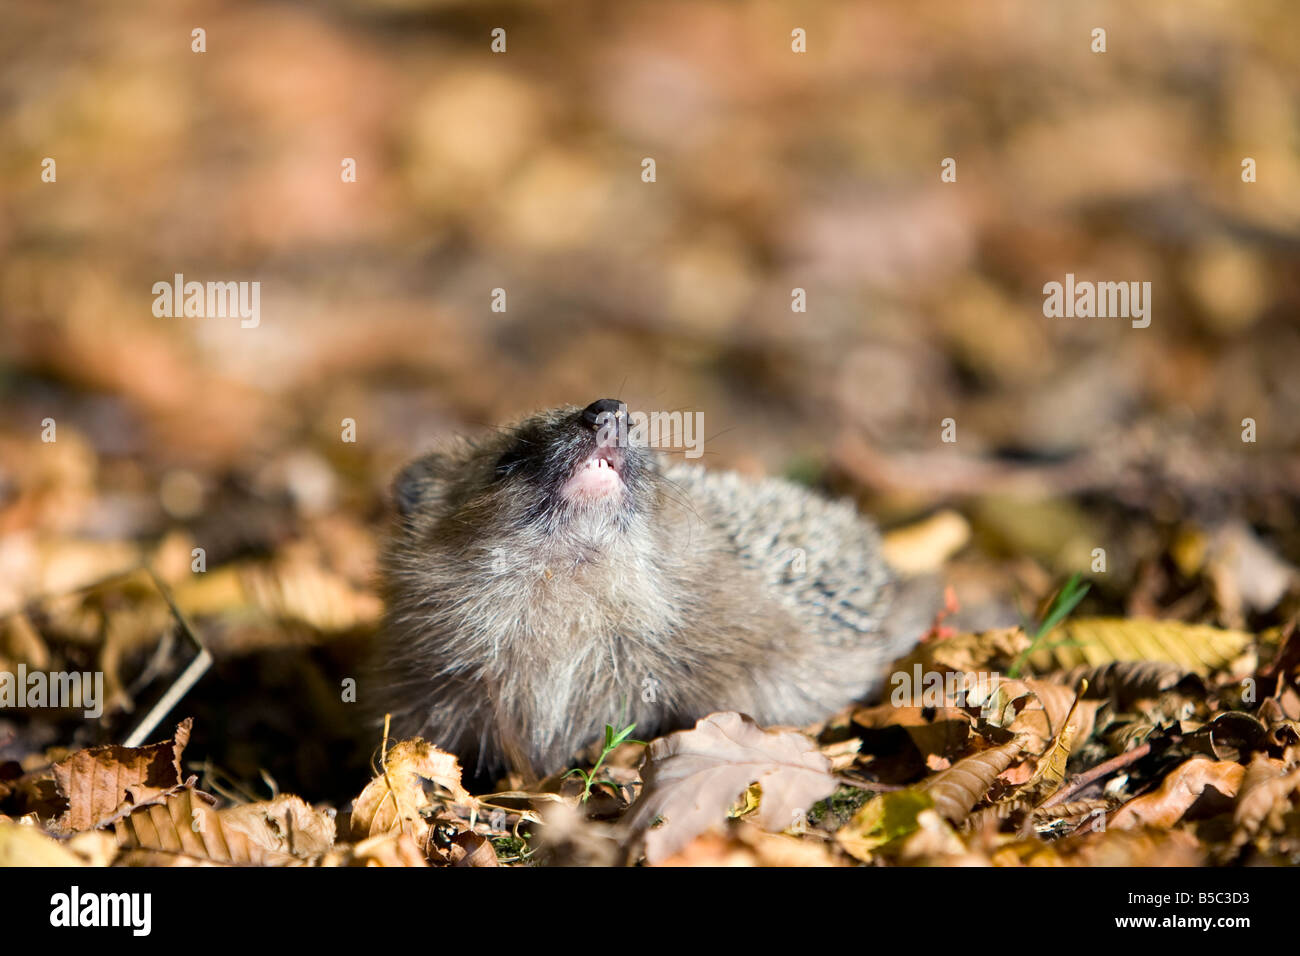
column 272, row 832
column 956, row 790
column 103, row 783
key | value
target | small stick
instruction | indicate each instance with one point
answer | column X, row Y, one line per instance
column 383, row 766
column 1096, row 773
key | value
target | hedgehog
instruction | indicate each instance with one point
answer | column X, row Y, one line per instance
column 553, row 578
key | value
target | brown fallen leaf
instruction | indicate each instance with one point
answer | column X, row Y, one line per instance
column 140, row 857
column 936, row 843
column 712, row 849
column 94, row 847
column 393, row 800
column 1050, row 774
column 23, row 845
column 34, row 791
column 471, row 849
column 745, row 845
column 972, row 654
column 1036, row 710
column 842, row 754
column 273, row 832
column 889, row 715
column 1012, row 810
column 1265, row 792
column 944, row 732
column 1017, row 775
column 1124, row 681
column 1069, row 815
column 693, row 777
column 1144, row 847
column 103, row 783
column 956, row 790
column 287, row 825
column 1181, row 788
column 393, row 849
column 27, row 843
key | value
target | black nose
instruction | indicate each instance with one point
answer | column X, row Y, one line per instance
column 593, row 413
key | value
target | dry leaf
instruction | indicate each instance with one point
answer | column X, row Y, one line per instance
column 956, row 790
column 1181, row 788
column 471, row 849
column 294, row 587
column 94, row 847
column 102, row 783
column 283, row 830
column 384, row 849
column 935, row 842
column 1098, row 640
column 944, row 732
column 1123, row 681
column 744, row 845
column 285, row 825
column 1069, row 815
column 971, row 654
column 23, row 845
column 992, row 818
column 1265, row 789
column 693, row 777
column 1050, row 774
column 1245, row 573
column 1140, row 847
column 1036, row 711
column 883, row 819
column 393, row 800
column 925, row 545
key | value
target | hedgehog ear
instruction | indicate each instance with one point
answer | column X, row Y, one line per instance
column 416, row 484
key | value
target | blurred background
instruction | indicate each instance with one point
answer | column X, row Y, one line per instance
column 522, row 171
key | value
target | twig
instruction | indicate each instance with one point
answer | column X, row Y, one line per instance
column 1096, row 773
column 187, row 679
column 383, row 766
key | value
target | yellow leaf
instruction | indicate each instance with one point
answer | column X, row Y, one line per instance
column 882, row 819
column 1100, row 640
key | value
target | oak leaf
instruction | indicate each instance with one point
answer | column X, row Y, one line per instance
column 693, row 777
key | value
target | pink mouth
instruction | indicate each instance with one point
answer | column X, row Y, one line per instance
column 596, row 478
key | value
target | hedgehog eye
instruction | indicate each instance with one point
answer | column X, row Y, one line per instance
column 508, row 463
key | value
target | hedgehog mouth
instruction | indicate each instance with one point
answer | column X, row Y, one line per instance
column 597, row 476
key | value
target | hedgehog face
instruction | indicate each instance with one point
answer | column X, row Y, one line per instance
column 562, row 477
column 572, row 460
